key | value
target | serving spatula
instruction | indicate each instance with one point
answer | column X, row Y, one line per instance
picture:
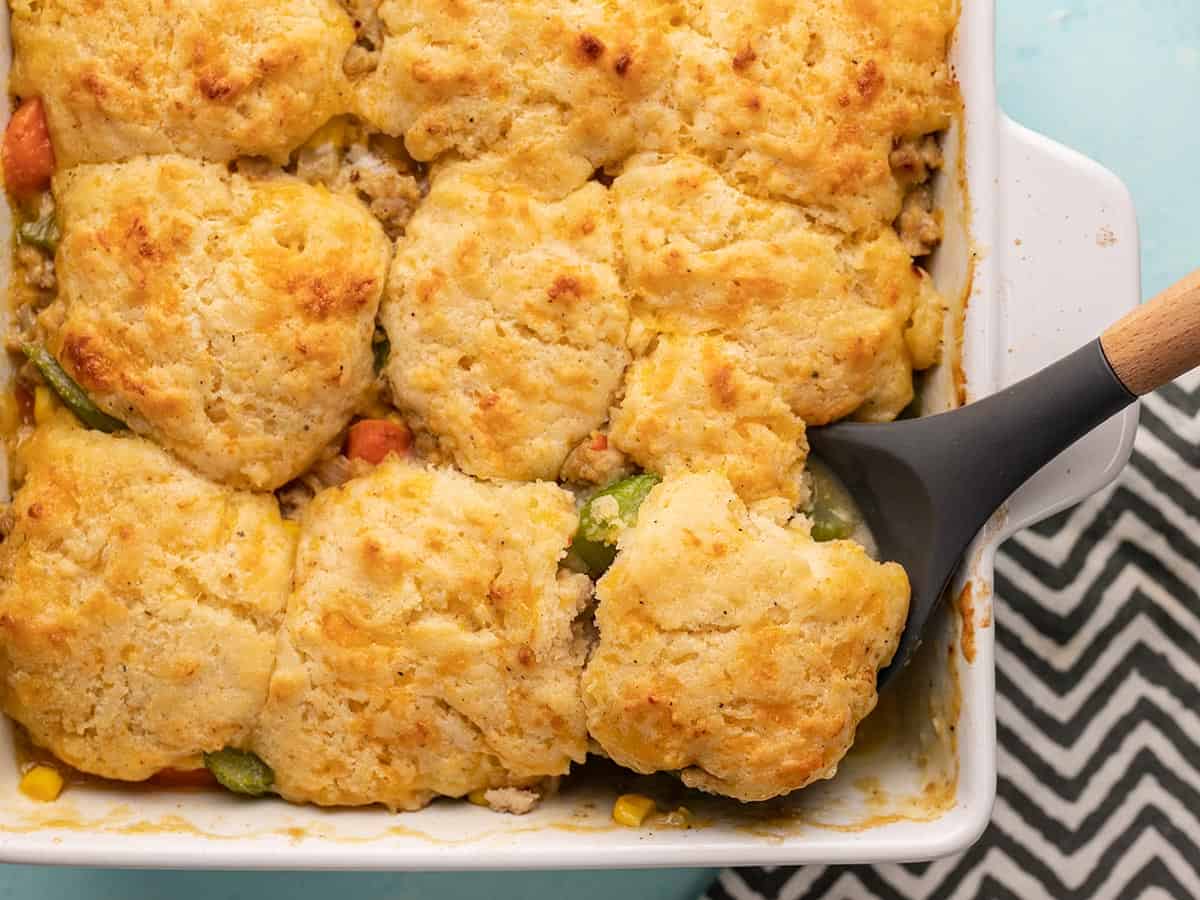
column 926, row 486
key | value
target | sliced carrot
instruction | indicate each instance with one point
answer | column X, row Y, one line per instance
column 373, row 439
column 600, row 442
column 28, row 154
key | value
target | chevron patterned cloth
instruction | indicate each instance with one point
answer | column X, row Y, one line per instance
column 1098, row 677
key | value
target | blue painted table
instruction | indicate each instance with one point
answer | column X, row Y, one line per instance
column 1118, row 80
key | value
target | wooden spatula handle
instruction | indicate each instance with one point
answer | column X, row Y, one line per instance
column 1158, row 341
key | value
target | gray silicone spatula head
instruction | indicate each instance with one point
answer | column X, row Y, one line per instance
column 927, row 486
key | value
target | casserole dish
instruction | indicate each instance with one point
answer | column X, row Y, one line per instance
column 1047, row 244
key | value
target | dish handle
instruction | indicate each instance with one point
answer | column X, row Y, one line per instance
column 1070, row 266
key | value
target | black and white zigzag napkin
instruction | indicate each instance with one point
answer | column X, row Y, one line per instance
column 1098, row 677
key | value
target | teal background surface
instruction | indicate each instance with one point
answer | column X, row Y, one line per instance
column 1118, row 80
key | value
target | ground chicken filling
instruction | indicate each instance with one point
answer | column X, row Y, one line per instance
column 608, row 310
column 915, row 162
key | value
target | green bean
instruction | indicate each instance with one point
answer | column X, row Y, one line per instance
column 381, row 347
column 596, row 556
column 595, row 540
column 42, row 232
column 831, row 510
column 829, row 526
column 240, row 771
column 71, row 394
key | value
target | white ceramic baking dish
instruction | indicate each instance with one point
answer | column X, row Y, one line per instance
column 1052, row 241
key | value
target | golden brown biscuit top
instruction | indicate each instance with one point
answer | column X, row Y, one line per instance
column 433, row 602
column 450, row 75
column 827, row 318
column 733, row 649
column 229, row 319
column 695, row 404
column 214, row 79
column 803, row 100
column 507, row 318
column 139, row 603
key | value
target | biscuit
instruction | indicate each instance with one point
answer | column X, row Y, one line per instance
column 429, row 645
column 735, row 651
column 694, row 404
column 805, row 100
column 507, row 318
column 228, row 319
column 138, row 604
column 460, row 75
column 215, row 79
column 826, row 317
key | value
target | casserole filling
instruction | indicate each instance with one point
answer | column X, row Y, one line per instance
column 411, row 395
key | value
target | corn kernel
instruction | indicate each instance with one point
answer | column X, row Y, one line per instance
column 631, row 810
column 335, row 132
column 42, row 783
column 43, row 405
column 681, row 817
column 479, row 797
